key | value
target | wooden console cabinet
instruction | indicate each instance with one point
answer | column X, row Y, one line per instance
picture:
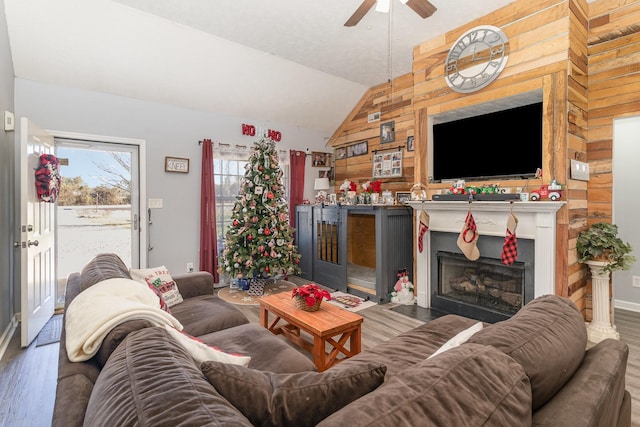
column 338, row 243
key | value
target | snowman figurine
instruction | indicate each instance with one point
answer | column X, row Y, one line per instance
column 403, row 289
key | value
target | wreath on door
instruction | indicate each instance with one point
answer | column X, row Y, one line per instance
column 48, row 178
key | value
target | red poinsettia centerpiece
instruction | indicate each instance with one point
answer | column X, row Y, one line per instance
column 311, row 293
column 372, row 186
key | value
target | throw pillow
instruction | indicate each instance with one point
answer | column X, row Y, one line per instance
column 202, row 352
column 160, row 278
column 300, row 399
column 459, row 339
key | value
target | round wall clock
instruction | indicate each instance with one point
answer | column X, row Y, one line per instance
column 476, row 59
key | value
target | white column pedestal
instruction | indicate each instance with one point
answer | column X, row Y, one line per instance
column 600, row 327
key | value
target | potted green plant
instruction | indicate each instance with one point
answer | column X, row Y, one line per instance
column 600, row 243
column 603, row 251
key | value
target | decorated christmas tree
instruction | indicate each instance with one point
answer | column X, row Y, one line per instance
column 259, row 242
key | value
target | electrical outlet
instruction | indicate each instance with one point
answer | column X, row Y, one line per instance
column 636, row 282
column 189, row 267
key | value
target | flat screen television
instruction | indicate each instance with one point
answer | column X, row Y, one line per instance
column 501, row 145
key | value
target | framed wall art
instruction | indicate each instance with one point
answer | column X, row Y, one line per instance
column 358, row 149
column 410, row 143
column 341, row 153
column 387, row 132
column 387, row 164
column 176, row 164
column 319, row 159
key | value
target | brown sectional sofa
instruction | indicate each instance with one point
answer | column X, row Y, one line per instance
column 529, row 370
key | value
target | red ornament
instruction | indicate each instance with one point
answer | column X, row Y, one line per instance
column 267, row 231
column 269, row 195
column 266, row 269
column 261, row 248
column 235, row 223
column 260, row 168
column 254, row 219
column 297, row 261
column 266, row 253
column 249, row 237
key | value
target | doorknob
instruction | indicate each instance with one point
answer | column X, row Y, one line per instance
column 34, row 243
column 16, row 244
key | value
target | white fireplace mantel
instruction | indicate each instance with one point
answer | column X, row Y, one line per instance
column 536, row 220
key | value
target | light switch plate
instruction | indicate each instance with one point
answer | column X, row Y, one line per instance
column 9, row 121
column 579, row 170
column 154, row 204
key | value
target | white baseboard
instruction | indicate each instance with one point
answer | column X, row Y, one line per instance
column 626, row 305
column 7, row 335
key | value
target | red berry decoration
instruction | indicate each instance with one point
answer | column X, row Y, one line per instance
column 266, row 269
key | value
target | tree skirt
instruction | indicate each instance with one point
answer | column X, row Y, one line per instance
column 236, row 296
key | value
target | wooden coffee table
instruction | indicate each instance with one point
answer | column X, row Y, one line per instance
column 323, row 325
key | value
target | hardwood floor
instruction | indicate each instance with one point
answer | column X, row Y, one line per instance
column 28, row 377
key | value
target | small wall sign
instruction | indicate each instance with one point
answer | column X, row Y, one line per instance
column 176, row 164
column 251, row 130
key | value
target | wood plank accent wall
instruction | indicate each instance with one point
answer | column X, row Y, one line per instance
column 584, row 60
column 613, row 49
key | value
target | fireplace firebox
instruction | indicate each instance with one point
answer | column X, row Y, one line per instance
column 485, row 289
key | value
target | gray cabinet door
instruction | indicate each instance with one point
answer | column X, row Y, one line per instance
column 304, row 240
column 329, row 247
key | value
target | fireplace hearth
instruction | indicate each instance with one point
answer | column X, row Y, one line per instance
column 536, row 227
column 484, row 289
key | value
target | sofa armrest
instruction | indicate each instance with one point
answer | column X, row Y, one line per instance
column 595, row 393
column 194, row 284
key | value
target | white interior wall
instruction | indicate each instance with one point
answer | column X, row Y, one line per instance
column 626, row 176
column 167, row 131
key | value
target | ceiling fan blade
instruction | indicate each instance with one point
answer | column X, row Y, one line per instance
column 359, row 13
column 422, row 7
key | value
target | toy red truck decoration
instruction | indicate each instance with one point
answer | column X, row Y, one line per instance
column 552, row 191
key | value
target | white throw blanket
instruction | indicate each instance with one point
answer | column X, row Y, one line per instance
column 105, row 305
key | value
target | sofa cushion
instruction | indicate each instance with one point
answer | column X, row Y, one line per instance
column 207, row 313
column 413, row 346
column 159, row 278
column 470, row 385
column 102, row 267
column 547, row 337
column 150, row 380
column 113, row 339
column 300, row 399
column 268, row 352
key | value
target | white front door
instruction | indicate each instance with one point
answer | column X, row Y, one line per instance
column 37, row 236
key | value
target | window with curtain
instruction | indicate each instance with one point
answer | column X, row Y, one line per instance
column 229, row 165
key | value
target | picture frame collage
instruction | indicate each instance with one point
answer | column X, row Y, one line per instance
column 387, row 164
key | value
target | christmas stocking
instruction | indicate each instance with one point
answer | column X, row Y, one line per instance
column 468, row 238
column 424, row 226
column 510, row 246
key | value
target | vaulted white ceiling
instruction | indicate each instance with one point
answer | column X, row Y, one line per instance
column 284, row 61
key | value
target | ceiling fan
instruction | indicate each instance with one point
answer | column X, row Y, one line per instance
column 422, row 7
